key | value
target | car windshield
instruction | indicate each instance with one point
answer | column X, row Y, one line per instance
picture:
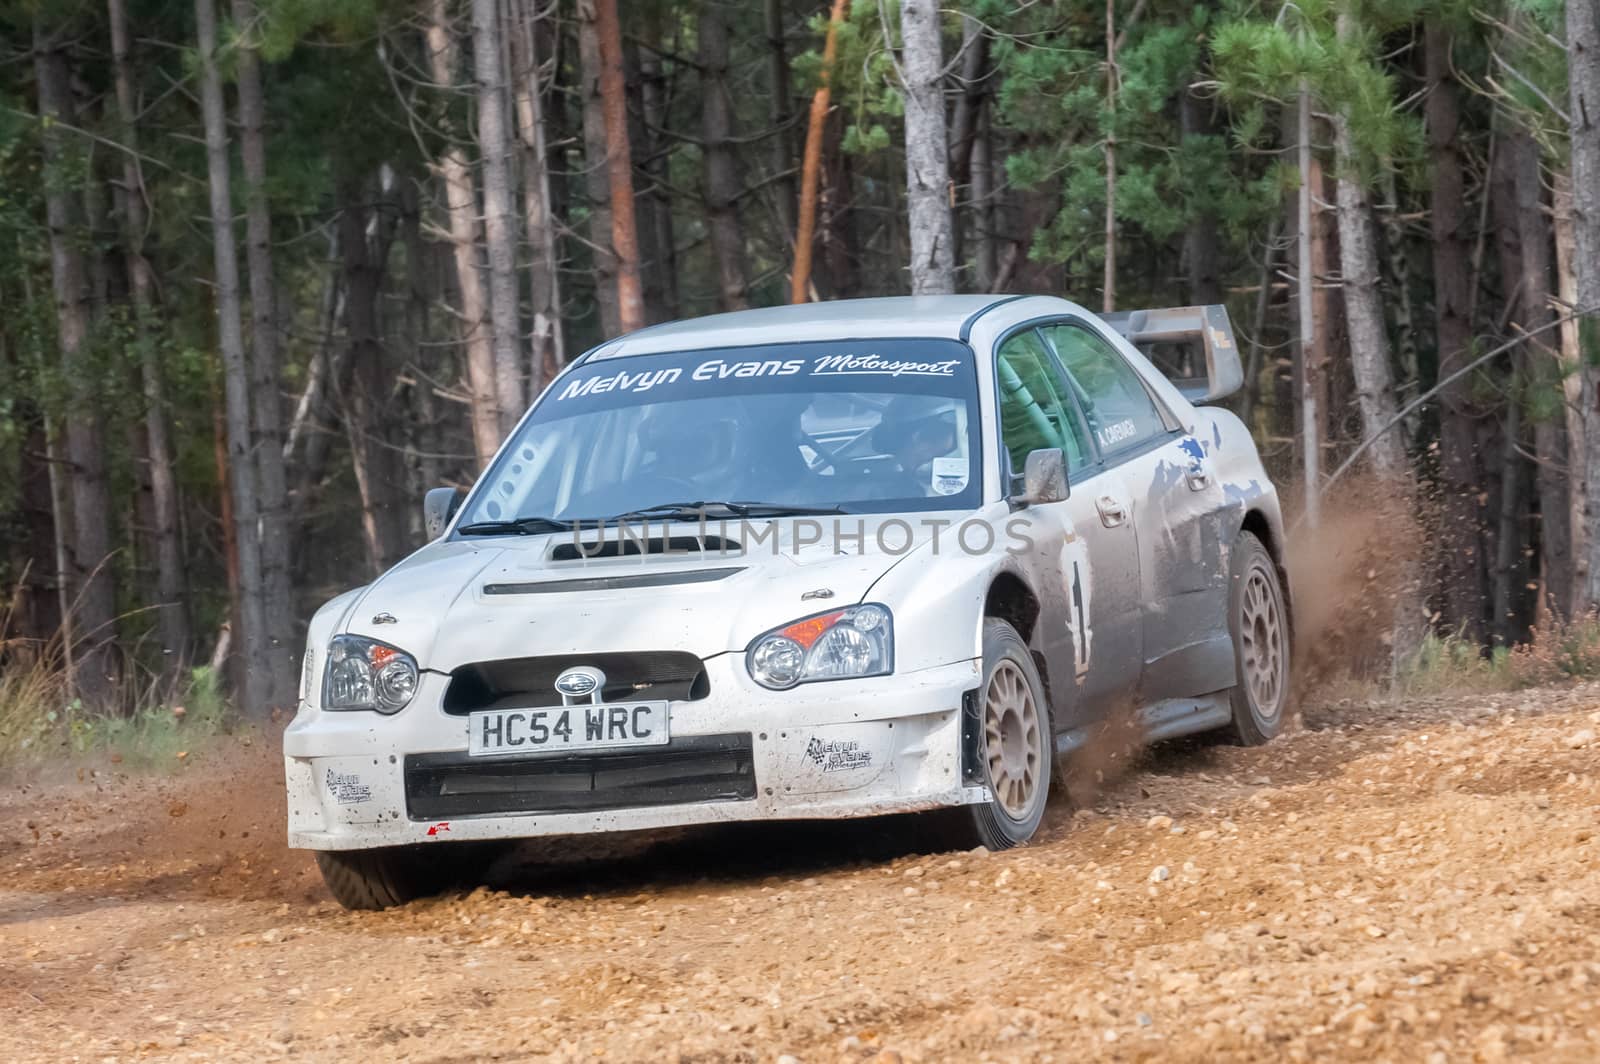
column 857, row 426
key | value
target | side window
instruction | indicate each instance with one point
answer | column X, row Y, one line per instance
column 1120, row 410
column 1035, row 410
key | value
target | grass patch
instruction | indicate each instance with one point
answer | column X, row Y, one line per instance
column 1557, row 652
column 39, row 724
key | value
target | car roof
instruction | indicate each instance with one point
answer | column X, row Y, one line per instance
column 943, row 317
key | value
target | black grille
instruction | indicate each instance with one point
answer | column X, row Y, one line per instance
column 513, row 682
column 694, row 768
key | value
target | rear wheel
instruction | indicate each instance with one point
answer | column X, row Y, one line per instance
column 1259, row 624
column 1013, row 747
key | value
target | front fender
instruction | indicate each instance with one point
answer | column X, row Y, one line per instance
column 937, row 594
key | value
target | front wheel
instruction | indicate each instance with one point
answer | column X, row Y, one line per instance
column 1259, row 624
column 394, row 875
column 1013, row 747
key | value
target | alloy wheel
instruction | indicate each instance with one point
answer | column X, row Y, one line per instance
column 1011, row 739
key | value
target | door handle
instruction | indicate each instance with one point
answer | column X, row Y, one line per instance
column 1112, row 512
column 1199, row 480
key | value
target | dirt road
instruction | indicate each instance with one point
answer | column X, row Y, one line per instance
column 1393, row 882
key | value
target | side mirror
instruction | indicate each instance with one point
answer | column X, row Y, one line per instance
column 1044, row 477
column 438, row 507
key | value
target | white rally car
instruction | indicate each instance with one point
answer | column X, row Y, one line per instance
column 832, row 560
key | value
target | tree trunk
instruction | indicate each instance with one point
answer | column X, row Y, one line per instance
column 306, row 421
column 93, row 595
column 1310, row 369
column 811, row 164
column 779, row 105
column 549, row 345
column 1508, row 536
column 38, row 614
column 1258, row 324
column 1583, row 74
column 1571, row 356
column 966, row 129
column 172, row 615
column 494, row 142
column 253, row 642
column 619, row 165
column 1462, row 540
column 1200, row 239
column 1542, row 374
column 985, row 255
column 841, row 248
column 1108, row 298
column 597, row 179
column 1363, row 304
column 927, row 168
column 461, row 204
column 648, row 118
column 422, row 420
column 1515, row 536
column 277, row 595
column 721, row 170
column 367, row 393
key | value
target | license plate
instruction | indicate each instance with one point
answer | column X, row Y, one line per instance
column 554, row 729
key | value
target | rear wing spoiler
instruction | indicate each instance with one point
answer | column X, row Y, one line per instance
column 1193, row 346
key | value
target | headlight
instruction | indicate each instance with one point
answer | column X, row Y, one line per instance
column 855, row 641
column 366, row 674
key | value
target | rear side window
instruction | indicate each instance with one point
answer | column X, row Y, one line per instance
column 1035, row 410
column 1119, row 408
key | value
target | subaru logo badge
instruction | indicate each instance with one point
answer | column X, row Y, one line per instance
column 582, row 681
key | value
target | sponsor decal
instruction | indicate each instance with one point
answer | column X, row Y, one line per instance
column 949, row 476
column 838, row 755
column 877, row 365
column 347, row 788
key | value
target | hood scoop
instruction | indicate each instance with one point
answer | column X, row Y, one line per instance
column 633, row 547
column 612, row 583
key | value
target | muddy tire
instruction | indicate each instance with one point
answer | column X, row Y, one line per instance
column 381, row 878
column 1258, row 620
column 1013, row 748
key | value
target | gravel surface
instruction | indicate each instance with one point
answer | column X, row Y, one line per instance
column 1394, row 881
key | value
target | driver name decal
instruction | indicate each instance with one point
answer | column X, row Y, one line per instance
column 717, row 369
column 714, row 369
column 621, row 381
column 1117, row 432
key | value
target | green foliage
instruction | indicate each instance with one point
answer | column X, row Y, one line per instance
column 39, row 724
column 1260, row 59
column 1450, row 664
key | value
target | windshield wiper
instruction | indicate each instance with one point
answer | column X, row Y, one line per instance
column 694, row 511
column 521, row 526
column 779, row 509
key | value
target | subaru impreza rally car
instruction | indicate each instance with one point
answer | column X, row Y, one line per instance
column 832, row 560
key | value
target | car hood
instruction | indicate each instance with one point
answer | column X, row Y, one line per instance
column 465, row 600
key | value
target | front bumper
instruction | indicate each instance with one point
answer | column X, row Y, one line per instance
column 845, row 748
